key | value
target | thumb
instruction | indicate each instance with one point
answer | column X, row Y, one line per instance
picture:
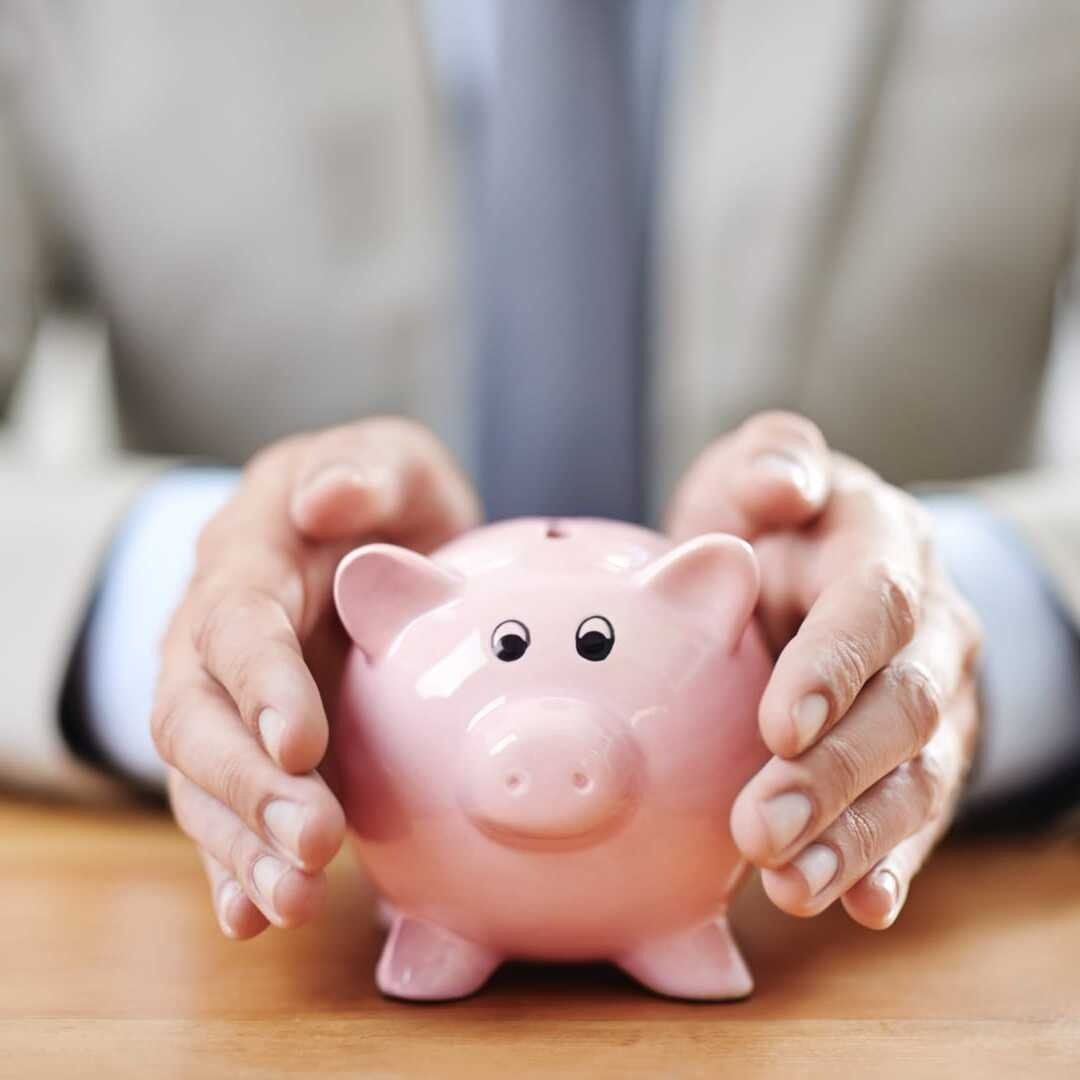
column 771, row 473
column 385, row 475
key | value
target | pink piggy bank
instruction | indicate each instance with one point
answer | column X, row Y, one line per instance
column 541, row 732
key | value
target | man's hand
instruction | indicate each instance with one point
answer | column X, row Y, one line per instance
column 254, row 651
column 871, row 709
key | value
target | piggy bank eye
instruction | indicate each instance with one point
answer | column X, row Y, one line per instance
column 510, row 639
column 595, row 638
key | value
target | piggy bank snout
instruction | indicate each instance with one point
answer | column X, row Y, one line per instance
column 553, row 770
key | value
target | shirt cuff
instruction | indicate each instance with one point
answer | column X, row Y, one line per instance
column 148, row 567
column 1030, row 668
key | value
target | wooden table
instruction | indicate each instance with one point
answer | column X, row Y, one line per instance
column 112, row 965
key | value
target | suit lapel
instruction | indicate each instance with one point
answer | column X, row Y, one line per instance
column 769, row 107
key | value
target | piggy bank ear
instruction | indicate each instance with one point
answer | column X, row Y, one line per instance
column 715, row 574
column 379, row 589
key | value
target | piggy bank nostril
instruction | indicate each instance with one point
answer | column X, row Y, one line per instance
column 515, row 783
column 581, row 781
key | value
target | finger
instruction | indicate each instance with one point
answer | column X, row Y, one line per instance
column 876, row 900
column 386, row 475
column 878, row 897
column 858, row 623
column 243, row 594
column 287, row 897
column 895, row 808
column 789, row 802
column 197, row 732
column 772, row 472
column 245, row 639
column 238, row 917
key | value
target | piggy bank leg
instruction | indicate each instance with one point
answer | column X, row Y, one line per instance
column 703, row 964
column 424, row 962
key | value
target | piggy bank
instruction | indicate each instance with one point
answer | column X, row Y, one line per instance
column 540, row 734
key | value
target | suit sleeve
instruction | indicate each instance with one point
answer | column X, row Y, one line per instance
column 1044, row 507
column 1029, row 674
column 56, row 522
column 1040, row 512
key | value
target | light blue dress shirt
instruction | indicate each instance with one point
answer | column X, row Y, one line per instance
column 1030, row 671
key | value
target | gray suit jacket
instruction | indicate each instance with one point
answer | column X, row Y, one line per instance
column 867, row 209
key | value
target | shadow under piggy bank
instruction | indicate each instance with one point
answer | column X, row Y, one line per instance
column 974, row 926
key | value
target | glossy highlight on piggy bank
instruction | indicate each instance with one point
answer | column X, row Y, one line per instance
column 541, row 731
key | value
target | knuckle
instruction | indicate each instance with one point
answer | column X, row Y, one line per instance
column 243, row 688
column 231, row 783
column 845, row 765
column 863, row 837
column 292, row 593
column 845, row 664
column 927, row 773
column 898, row 593
column 230, row 618
column 242, row 851
column 165, row 721
column 212, row 626
column 919, row 698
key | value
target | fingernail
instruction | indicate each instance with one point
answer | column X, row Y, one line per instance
column 785, row 817
column 266, row 873
column 809, row 716
column 229, row 893
column 784, row 466
column 887, row 882
column 284, row 821
column 818, row 865
column 373, row 480
column 271, row 728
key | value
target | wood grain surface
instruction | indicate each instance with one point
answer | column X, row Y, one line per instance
column 112, row 966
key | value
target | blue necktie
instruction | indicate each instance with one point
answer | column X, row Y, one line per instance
column 559, row 390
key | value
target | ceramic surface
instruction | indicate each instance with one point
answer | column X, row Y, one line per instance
column 540, row 734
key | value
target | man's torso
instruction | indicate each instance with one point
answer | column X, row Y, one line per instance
column 865, row 210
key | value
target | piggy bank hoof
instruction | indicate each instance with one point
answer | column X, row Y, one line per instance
column 703, row 964
column 424, row 962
